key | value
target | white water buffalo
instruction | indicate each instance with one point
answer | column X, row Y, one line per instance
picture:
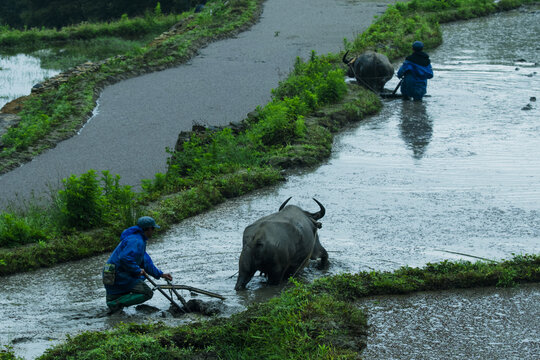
column 371, row 70
column 281, row 244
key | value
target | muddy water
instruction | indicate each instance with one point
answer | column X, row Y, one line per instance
column 465, row 324
column 421, row 182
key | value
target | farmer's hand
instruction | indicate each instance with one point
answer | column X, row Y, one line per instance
column 167, row 276
column 142, row 273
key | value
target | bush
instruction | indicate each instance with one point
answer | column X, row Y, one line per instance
column 278, row 125
column 81, row 203
column 84, row 203
column 15, row 230
column 316, row 83
column 210, row 154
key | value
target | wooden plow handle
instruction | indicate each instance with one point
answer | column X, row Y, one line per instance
column 165, row 294
column 190, row 288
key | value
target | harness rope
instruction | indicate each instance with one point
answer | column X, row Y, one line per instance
column 350, row 64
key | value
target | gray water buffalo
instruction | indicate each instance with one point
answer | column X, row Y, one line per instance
column 370, row 69
column 281, row 244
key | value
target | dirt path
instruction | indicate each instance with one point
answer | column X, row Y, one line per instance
column 137, row 119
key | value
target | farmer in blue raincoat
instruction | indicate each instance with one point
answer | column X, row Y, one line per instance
column 123, row 275
column 415, row 71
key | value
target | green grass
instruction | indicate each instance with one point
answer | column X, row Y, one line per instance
column 307, row 321
column 125, row 28
column 394, row 31
column 75, row 52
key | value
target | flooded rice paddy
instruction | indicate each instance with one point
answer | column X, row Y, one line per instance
column 458, row 173
column 18, row 73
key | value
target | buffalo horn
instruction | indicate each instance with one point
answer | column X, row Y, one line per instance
column 345, row 61
column 284, row 203
column 321, row 212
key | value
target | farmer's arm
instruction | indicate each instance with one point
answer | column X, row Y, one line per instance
column 151, row 269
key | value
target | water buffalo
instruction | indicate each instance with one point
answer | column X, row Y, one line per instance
column 281, row 244
column 370, row 69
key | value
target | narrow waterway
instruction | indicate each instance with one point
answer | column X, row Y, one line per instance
column 420, row 182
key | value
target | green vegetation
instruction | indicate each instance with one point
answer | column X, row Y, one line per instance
column 308, row 321
column 316, row 320
column 88, row 214
column 394, row 31
column 85, row 217
column 72, row 45
column 77, row 44
column 434, row 276
column 125, row 28
column 59, row 13
column 6, row 353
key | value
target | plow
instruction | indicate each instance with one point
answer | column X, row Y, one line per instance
column 170, row 289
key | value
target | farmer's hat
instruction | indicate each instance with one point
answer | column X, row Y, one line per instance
column 417, row 46
column 147, row 222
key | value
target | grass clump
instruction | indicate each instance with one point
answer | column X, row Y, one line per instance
column 434, row 277
column 124, row 28
column 7, row 353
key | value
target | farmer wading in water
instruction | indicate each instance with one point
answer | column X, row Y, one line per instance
column 123, row 275
column 415, row 71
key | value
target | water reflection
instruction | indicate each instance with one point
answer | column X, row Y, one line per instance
column 18, row 74
column 416, row 127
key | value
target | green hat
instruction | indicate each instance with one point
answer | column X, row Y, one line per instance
column 147, row 222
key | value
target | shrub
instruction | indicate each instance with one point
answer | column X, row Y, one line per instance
column 316, row 83
column 119, row 200
column 84, row 203
column 15, row 230
column 81, row 203
column 278, row 125
column 208, row 154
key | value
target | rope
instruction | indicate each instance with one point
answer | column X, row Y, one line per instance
column 459, row 253
column 361, row 80
column 303, row 263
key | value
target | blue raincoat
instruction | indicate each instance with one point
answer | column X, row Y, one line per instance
column 416, row 69
column 129, row 258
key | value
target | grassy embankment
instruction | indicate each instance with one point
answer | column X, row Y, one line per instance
column 76, row 44
column 308, row 319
